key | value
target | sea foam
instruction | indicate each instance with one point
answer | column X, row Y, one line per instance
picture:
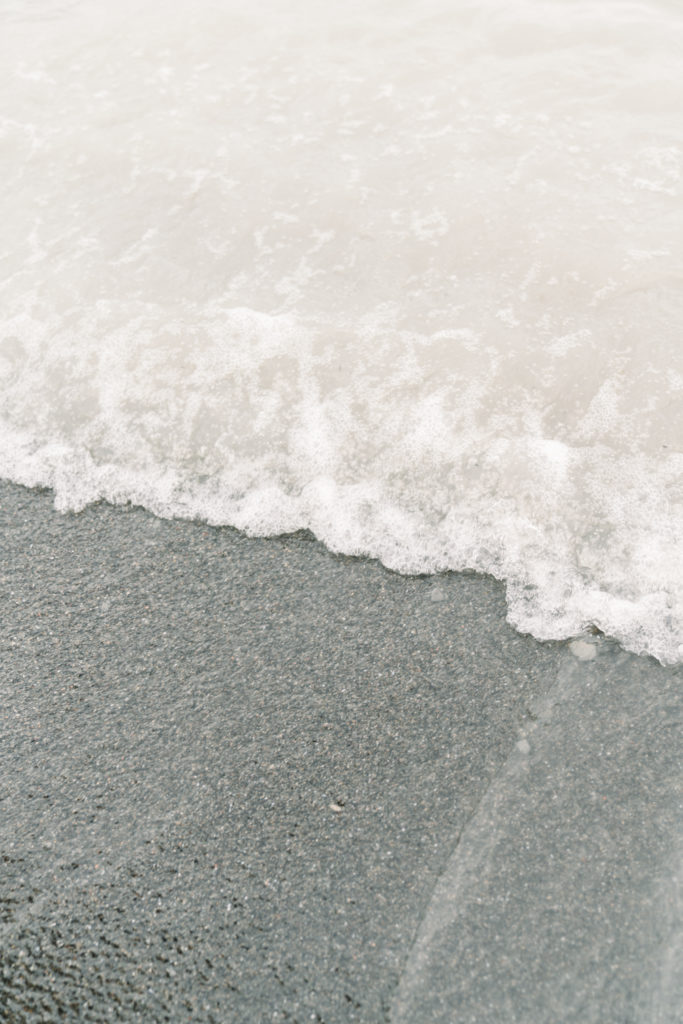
column 407, row 275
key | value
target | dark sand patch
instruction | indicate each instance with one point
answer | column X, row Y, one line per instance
column 232, row 771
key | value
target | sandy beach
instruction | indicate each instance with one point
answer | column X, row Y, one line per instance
column 249, row 780
column 341, row 505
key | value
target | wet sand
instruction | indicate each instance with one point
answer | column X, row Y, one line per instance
column 250, row 780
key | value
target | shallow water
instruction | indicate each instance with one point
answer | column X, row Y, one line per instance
column 408, row 275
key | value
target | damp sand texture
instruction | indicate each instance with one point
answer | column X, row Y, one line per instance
column 248, row 780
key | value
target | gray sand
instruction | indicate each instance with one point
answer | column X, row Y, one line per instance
column 249, row 780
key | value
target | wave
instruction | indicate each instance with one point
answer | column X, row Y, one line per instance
column 407, row 277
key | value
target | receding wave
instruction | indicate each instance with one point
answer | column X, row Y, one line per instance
column 409, row 276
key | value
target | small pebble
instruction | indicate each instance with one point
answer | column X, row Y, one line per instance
column 523, row 746
column 582, row 650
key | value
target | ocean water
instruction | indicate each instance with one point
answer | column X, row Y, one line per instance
column 408, row 274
